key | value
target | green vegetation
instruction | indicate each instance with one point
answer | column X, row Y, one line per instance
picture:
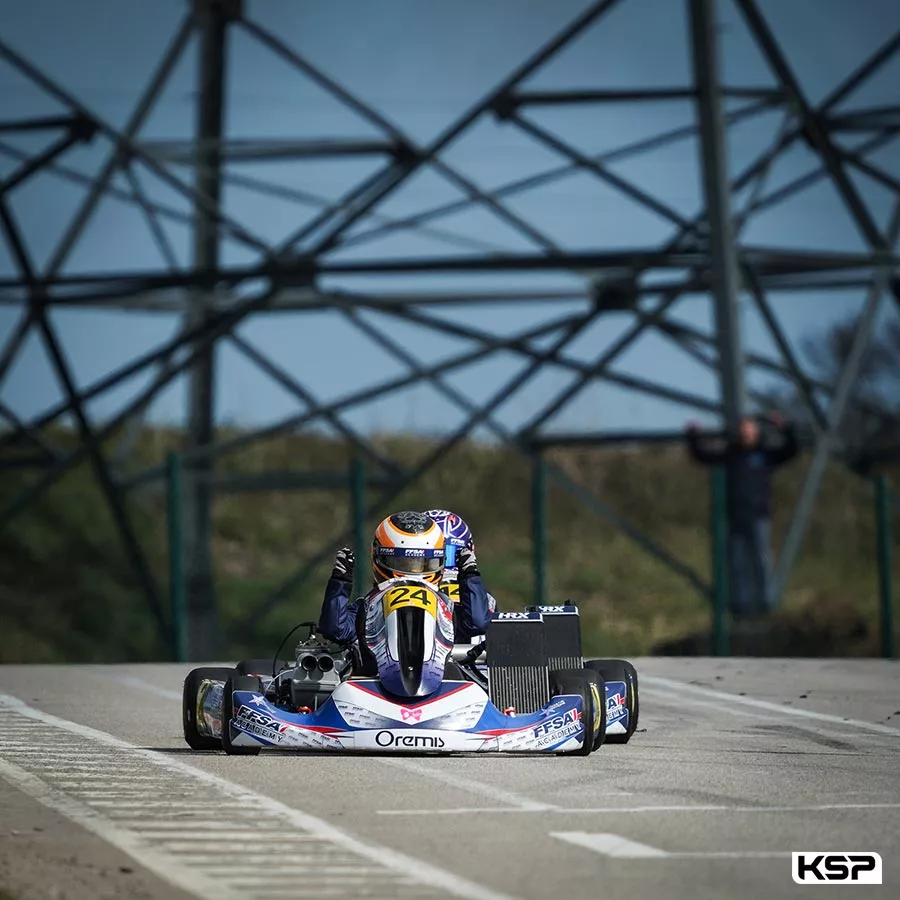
column 68, row 594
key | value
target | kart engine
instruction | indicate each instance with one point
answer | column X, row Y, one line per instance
column 318, row 672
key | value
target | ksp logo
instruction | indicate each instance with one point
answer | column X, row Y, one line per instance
column 842, row 867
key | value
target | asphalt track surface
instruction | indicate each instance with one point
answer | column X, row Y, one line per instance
column 736, row 764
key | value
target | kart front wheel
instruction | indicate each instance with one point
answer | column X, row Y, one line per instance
column 620, row 671
column 189, row 711
column 589, row 684
column 236, row 683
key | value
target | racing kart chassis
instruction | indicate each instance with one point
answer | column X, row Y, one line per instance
column 524, row 689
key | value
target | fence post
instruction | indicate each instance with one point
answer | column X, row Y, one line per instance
column 358, row 521
column 176, row 556
column 539, row 527
column 718, row 527
column 885, row 564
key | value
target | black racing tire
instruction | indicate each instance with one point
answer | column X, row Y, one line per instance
column 581, row 681
column 620, row 670
column 236, row 683
column 192, row 736
column 261, row 667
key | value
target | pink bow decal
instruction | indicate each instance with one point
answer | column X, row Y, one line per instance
column 414, row 714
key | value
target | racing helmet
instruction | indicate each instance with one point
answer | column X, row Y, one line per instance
column 408, row 544
column 455, row 530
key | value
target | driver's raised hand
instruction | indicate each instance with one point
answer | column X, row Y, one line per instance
column 468, row 562
column 344, row 562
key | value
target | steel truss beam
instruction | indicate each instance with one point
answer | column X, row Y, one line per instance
column 827, row 441
column 78, row 130
column 202, row 626
column 183, row 153
column 292, row 275
column 720, row 233
column 653, row 95
column 768, row 261
column 299, row 300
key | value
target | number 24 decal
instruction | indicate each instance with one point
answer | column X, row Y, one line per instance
column 396, row 596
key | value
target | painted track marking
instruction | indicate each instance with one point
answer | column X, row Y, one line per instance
column 306, row 839
column 674, row 699
column 617, row 847
column 724, row 697
column 609, row 844
column 133, row 681
column 516, row 801
column 593, row 810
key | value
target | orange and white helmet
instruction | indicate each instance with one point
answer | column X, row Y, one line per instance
column 408, row 544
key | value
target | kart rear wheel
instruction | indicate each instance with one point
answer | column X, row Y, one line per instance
column 192, row 736
column 262, row 667
column 236, row 683
column 590, row 685
column 624, row 671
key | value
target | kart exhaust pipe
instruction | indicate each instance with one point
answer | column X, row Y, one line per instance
column 310, row 663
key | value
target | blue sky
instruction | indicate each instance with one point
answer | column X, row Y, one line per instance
column 422, row 65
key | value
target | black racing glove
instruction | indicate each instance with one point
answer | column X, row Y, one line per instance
column 344, row 561
column 468, row 563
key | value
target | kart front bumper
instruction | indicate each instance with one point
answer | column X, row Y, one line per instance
column 461, row 719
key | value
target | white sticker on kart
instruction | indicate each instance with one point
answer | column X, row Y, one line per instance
column 616, row 707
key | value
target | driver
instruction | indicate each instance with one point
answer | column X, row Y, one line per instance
column 406, row 545
column 461, row 568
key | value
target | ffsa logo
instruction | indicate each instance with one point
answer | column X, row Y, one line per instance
column 817, row 867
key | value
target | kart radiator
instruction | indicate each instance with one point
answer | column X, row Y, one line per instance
column 562, row 635
column 517, row 663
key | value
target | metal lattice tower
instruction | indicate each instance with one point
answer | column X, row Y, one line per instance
column 310, row 270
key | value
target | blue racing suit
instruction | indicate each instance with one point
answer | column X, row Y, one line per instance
column 337, row 620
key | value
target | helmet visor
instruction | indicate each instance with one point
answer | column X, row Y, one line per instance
column 409, row 561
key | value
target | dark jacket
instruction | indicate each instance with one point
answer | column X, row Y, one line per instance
column 337, row 620
column 748, row 471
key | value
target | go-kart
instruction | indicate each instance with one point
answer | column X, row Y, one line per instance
column 407, row 688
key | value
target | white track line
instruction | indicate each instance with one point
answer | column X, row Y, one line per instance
column 135, row 682
column 161, row 864
column 594, row 810
column 617, row 847
column 674, row 699
column 516, row 801
column 723, row 696
column 609, row 845
column 402, row 866
column 466, row 810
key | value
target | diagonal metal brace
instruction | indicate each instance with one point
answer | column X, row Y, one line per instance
column 826, row 444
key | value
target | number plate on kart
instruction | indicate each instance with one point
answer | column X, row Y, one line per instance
column 405, row 595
